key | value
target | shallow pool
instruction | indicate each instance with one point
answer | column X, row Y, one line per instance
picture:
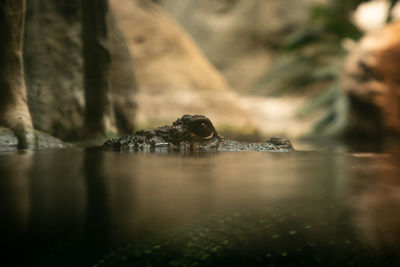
column 320, row 207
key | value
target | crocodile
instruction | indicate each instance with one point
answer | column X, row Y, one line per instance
column 190, row 133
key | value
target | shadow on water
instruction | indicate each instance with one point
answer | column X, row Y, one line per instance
column 327, row 208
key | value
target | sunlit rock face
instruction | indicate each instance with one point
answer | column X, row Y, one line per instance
column 371, row 81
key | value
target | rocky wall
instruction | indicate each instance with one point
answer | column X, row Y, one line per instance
column 54, row 70
column 240, row 37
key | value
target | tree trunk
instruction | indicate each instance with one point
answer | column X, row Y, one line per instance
column 96, row 56
column 14, row 112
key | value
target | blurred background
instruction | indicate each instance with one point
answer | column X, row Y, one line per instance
column 297, row 68
column 256, row 68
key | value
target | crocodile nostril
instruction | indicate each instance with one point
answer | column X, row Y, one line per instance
column 201, row 129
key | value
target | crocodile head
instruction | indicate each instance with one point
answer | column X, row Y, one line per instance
column 190, row 133
column 186, row 133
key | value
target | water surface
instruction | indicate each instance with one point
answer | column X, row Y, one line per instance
column 301, row 208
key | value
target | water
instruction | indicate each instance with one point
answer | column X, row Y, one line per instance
column 72, row 207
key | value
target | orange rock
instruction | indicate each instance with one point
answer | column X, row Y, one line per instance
column 371, row 80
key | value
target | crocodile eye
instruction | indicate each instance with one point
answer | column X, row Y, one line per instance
column 201, row 128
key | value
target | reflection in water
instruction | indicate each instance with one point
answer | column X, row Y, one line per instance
column 14, row 195
column 374, row 196
column 98, row 196
column 69, row 207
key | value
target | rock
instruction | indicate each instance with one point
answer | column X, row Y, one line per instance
column 240, row 37
column 42, row 141
column 8, row 140
column 54, row 70
column 54, row 67
column 174, row 77
column 371, row 82
column 122, row 80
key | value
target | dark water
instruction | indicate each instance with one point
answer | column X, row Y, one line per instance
column 332, row 207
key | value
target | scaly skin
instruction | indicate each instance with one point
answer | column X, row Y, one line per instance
column 190, row 133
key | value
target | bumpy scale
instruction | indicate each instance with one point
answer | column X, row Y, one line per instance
column 190, row 133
